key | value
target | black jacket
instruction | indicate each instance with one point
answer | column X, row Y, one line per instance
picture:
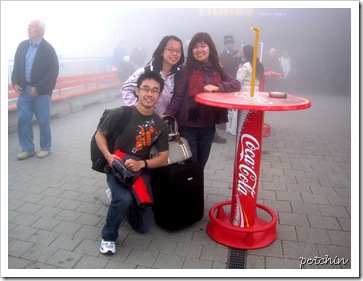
column 45, row 68
column 230, row 63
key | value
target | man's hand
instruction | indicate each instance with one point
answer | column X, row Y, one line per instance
column 33, row 92
column 134, row 165
column 18, row 89
column 110, row 157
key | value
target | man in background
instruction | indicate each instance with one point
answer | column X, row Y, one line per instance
column 273, row 64
column 125, row 69
column 228, row 57
column 138, row 55
column 289, row 71
column 35, row 73
column 230, row 61
column 119, row 54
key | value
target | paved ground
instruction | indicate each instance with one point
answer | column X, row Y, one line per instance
column 57, row 205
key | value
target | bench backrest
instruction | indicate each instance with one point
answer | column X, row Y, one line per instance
column 74, row 81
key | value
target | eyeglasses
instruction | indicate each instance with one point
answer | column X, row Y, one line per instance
column 177, row 51
column 148, row 90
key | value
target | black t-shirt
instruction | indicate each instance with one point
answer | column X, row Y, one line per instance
column 139, row 134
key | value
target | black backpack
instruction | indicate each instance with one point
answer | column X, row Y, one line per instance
column 99, row 162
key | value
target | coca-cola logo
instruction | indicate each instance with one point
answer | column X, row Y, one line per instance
column 247, row 177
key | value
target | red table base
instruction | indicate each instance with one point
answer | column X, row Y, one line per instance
column 260, row 235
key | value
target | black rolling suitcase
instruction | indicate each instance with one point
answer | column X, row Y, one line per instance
column 178, row 191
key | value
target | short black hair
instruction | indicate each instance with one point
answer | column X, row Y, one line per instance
column 151, row 75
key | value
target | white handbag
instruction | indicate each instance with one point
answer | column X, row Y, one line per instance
column 179, row 149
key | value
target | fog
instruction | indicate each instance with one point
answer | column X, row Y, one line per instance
column 318, row 35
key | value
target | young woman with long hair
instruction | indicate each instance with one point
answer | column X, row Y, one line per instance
column 167, row 59
column 201, row 73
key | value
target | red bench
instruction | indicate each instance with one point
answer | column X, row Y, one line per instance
column 70, row 86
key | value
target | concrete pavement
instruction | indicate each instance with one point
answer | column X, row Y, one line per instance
column 57, row 205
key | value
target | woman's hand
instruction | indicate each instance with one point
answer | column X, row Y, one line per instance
column 212, row 88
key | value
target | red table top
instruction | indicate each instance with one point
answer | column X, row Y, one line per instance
column 261, row 101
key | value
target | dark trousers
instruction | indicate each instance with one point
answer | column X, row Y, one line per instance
column 200, row 141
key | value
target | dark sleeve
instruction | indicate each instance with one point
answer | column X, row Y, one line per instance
column 111, row 121
column 180, row 92
column 229, row 84
column 18, row 74
column 49, row 71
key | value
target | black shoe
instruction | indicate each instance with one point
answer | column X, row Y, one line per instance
column 218, row 139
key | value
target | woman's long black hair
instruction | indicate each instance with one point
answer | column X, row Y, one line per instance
column 248, row 54
column 157, row 58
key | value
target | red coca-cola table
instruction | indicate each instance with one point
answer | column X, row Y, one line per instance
column 235, row 223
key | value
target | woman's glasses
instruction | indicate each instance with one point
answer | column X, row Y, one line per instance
column 172, row 51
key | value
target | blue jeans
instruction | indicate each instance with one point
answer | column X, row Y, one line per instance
column 200, row 141
column 123, row 206
column 26, row 107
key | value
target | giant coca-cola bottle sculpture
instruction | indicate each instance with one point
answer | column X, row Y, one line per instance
column 246, row 173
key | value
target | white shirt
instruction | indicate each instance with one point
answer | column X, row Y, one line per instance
column 244, row 76
column 286, row 65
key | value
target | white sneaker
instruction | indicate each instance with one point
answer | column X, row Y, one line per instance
column 43, row 153
column 108, row 247
column 108, row 194
column 26, row 154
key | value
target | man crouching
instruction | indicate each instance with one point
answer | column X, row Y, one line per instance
column 129, row 179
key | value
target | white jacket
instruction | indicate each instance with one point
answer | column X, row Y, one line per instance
column 244, row 76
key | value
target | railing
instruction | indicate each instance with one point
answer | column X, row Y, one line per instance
column 75, row 66
column 75, row 85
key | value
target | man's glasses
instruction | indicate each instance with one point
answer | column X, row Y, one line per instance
column 148, row 90
column 177, row 51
